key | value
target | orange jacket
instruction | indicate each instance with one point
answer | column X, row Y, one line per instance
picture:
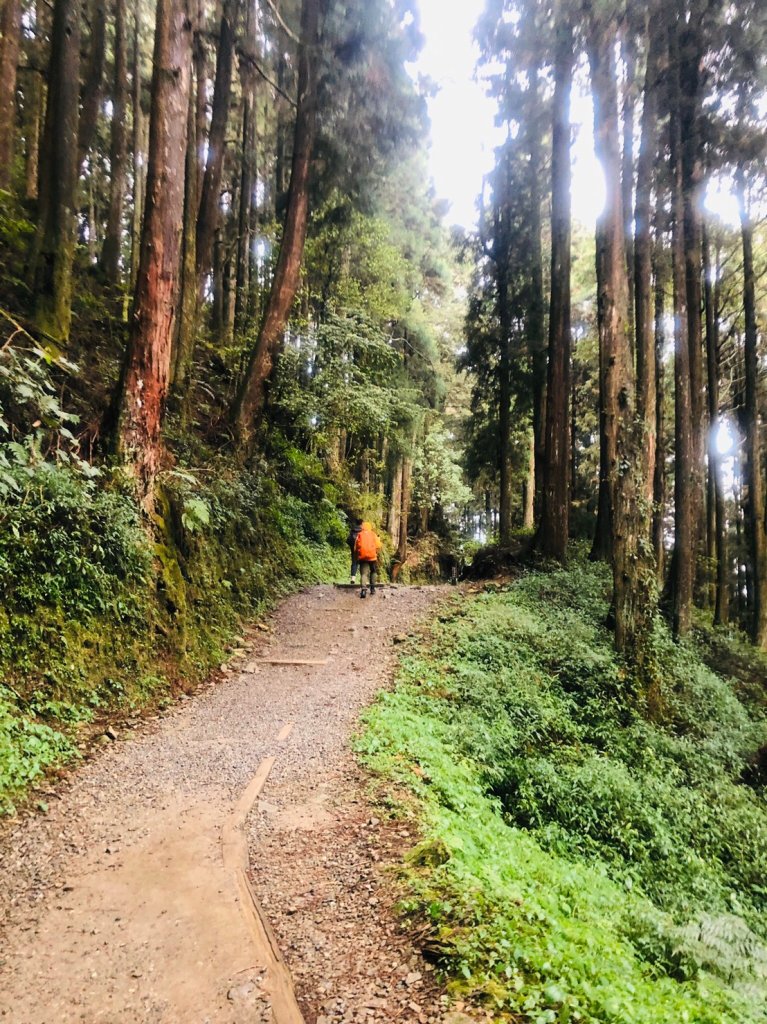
column 368, row 544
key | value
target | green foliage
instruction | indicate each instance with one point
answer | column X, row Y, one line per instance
column 438, row 476
column 27, row 747
column 600, row 866
column 96, row 617
column 67, row 544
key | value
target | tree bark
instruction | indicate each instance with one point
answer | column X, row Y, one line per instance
column 632, row 601
column 252, row 397
column 94, row 80
column 183, row 349
column 754, row 466
column 54, row 249
column 690, row 60
column 145, row 374
column 209, row 218
column 34, row 106
column 248, row 167
column 110, row 255
column 660, row 270
column 683, row 563
column 716, row 509
column 504, row 402
column 139, row 180
column 643, row 293
column 536, row 313
column 395, row 501
column 555, row 508
column 628, row 52
column 407, row 480
column 528, row 494
column 10, row 35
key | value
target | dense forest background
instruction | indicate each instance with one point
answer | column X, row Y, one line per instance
column 233, row 318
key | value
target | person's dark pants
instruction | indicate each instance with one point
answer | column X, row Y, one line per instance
column 368, row 575
column 355, row 566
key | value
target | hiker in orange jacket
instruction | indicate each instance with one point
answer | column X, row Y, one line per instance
column 366, row 549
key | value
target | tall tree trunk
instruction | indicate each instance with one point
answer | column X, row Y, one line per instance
column 643, row 293
column 33, row 117
column 755, row 456
column 536, row 313
column 555, row 509
column 716, row 508
column 248, row 168
column 210, row 199
column 110, row 255
column 660, row 271
column 683, row 563
column 34, row 102
column 94, row 79
column 395, row 501
column 10, row 34
column 139, row 180
column 690, row 62
column 147, row 364
column 504, row 403
column 528, row 492
column 628, row 52
column 183, row 349
column 252, row 397
column 632, row 601
column 55, row 241
column 407, row 481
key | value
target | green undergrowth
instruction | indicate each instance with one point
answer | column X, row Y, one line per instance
column 590, row 854
column 98, row 615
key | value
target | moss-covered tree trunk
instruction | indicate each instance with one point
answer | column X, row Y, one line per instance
column 147, row 365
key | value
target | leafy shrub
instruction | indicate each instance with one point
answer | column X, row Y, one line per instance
column 66, row 543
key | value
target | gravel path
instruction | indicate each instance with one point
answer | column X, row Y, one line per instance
column 116, row 906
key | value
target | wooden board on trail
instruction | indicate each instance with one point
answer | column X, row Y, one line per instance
column 292, row 661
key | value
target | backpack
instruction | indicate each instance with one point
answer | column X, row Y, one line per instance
column 366, row 548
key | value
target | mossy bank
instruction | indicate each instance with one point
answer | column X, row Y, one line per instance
column 590, row 854
column 100, row 614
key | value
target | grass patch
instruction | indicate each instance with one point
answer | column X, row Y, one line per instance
column 591, row 856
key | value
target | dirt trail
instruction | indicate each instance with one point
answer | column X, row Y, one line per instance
column 132, row 901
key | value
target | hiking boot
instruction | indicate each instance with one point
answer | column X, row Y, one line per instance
column 363, row 593
column 372, row 590
column 352, row 581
